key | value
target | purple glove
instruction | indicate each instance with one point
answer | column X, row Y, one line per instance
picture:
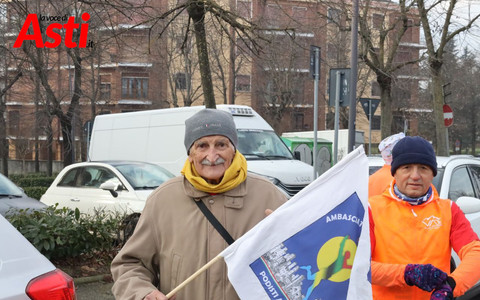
column 426, row 277
column 444, row 292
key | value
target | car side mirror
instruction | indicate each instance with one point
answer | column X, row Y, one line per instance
column 297, row 155
column 468, row 204
column 110, row 186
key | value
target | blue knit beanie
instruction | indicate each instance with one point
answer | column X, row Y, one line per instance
column 413, row 150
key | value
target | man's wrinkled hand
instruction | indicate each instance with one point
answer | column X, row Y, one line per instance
column 157, row 295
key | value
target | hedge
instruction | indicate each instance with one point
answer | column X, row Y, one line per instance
column 60, row 233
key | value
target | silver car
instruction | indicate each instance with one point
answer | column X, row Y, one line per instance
column 13, row 198
column 25, row 273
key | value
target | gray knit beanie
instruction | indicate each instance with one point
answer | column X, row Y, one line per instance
column 209, row 122
column 413, row 150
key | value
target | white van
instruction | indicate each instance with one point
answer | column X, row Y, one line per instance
column 157, row 136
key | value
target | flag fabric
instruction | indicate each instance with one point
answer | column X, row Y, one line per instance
column 315, row 246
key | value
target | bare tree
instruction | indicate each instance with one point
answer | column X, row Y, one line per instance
column 461, row 93
column 4, row 144
column 42, row 60
column 439, row 28
column 8, row 80
column 382, row 30
column 181, row 64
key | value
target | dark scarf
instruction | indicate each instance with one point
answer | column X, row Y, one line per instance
column 413, row 201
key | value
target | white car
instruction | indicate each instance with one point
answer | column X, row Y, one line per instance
column 25, row 273
column 374, row 164
column 121, row 186
column 458, row 179
column 117, row 186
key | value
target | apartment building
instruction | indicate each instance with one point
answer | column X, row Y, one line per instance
column 131, row 66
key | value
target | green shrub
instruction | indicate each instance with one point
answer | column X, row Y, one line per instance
column 35, row 181
column 60, row 233
column 15, row 177
column 35, row 191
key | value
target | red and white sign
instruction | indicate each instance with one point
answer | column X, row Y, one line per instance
column 447, row 115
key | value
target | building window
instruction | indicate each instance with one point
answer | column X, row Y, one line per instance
column 105, row 89
column 180, row 81
column 377, row 21
column 332, row 52
column 244, row 9
column 376, row 89
column 134, row 87
column 299, row 120
column 242, row 47
column 274, row 15
column 242, row 83
column 408, row 36
column 333, row 16
column 299, row 13
column 14, row 122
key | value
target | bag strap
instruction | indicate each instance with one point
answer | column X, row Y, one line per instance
column 211, row 218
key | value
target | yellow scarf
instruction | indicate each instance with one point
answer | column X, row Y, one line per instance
column 234, row 175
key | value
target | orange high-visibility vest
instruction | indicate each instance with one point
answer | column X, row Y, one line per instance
column 409, row 234
column 379, row 181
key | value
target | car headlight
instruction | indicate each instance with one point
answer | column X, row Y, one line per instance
column 273, row 180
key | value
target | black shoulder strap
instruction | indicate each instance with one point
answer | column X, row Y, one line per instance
column 211, row 218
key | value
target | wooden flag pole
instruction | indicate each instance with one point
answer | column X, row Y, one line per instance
column 194, row 275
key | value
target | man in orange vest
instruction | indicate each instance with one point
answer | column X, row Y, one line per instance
column 413, row 232
column 381, row 179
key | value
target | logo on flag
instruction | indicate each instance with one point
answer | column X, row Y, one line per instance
column 316, row 262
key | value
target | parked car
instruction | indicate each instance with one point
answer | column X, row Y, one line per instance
column 13, row 198
column 121, row 186
column 458, row 179
column 114, row 185
column 374, row 164
column 25, row 273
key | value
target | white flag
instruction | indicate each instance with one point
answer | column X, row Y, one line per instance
column 315, row 246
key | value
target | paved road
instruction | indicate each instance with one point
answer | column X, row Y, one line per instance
column 98, row 290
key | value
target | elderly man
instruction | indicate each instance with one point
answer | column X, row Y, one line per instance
column 413, row 232
column 380, row 180
column 174, row 238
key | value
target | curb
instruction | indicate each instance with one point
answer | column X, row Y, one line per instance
column 84, row 280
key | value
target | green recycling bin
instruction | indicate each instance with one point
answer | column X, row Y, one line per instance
column 304, row 146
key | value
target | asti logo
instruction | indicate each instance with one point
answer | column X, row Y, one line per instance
column 52, row 32
column 432, row 222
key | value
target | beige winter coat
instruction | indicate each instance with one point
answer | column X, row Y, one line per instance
column 173, row 239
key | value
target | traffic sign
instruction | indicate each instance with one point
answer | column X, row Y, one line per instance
column 314, row 62
column 447, row 115
column 366, row 103
column 344, row 95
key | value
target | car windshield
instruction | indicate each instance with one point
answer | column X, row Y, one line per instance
column 144, row 176
column 259, row 144
column 8, row 188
